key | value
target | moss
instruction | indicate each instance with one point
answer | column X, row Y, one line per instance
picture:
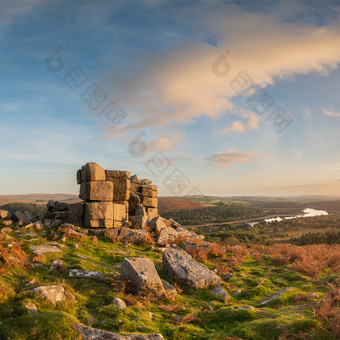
column 42, row 326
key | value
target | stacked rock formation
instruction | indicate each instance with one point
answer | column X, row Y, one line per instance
column 111, row 198
column 143, row 194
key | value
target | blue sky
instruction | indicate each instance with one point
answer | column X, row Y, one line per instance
column 171, row 67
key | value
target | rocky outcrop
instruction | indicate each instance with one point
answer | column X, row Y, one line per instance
column 180, row 265
column 143, row 274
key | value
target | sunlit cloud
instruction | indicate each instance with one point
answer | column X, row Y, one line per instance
column 178, row 85
column 331, row 113
column 227, row 159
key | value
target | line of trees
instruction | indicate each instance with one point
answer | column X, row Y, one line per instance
column 215, row 214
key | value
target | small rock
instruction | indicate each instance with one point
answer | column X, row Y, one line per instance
column 6, row 230
column 43, row 249
column 30, row 283
column 276, row 296
column 58, row 265
column 170, row 290
column 244, row 308
column 7, row 223
column 27, row 226
column 236, row 292
column 75, row 245
column 30, row 234
column 219, row 291
column 38, row 226
column 87, row 274
column 119, row 302
column 53, row 294
column 227, row 276
column 38, row 265
column 209, row 308
column 31, row 308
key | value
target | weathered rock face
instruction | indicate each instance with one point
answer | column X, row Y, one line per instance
column 180, row 265
column 142, row 272
column 75, row 213
column 166, row 236
column 88, row 333
column 92, row 172
column 45, row 248
column 98, row 214
column 53, row 294
column 20, row 217
column 170, row 290
column 132, row 235
column 121, row 184
column 157, row 224
column 100, row 191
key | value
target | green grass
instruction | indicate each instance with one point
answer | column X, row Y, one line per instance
column 93, row 306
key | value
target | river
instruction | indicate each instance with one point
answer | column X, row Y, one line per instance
column 308, row 212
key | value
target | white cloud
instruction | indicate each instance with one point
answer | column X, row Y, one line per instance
column 331, row 113
column 227, row 159
column 177, row 85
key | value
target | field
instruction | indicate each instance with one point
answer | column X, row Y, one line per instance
column 307, row 308
column 282, row 280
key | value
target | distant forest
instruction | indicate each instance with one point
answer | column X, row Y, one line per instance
column 215, row 214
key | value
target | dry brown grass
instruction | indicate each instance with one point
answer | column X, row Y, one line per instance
column 328, row 310
column 310, row 260
column 14, row 255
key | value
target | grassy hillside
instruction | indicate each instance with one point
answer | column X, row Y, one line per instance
column 308, row 309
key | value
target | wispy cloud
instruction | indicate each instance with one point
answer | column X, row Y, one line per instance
column 331, row 113
column 227, row 159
